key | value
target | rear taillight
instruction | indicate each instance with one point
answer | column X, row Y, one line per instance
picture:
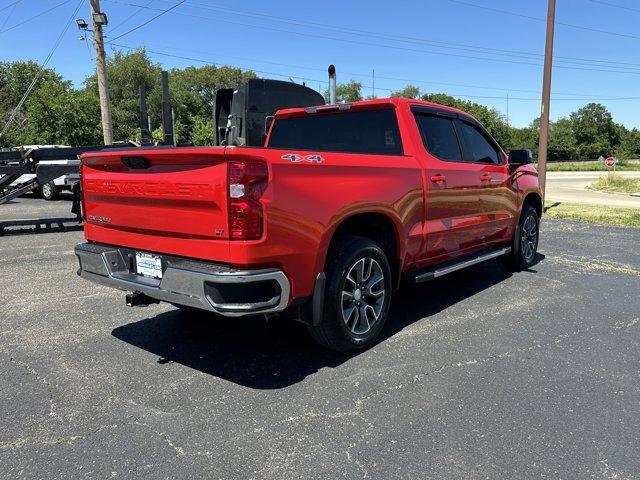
column 247, row 182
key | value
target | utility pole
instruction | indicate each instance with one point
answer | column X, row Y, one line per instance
column 99, row 19
column 546, row 98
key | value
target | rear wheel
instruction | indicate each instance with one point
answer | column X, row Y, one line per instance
column 49, row 191
column 357, row 296
column 525, row 245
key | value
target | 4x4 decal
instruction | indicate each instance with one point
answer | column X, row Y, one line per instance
column 294, row 157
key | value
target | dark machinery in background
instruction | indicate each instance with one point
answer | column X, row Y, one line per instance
column 240, row 117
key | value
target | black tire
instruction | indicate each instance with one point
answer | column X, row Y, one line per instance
column 336, row 333
column 525, row 242
column 49, row 191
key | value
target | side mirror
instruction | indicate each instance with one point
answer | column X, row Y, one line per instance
column 517, row 158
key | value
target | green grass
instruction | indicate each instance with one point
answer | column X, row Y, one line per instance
column 592, row 166
column 624, row 217
column 617, row 184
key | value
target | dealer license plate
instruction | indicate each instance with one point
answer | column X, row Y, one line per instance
column 149, row 265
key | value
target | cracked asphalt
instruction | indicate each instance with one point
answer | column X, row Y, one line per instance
column 486, row 373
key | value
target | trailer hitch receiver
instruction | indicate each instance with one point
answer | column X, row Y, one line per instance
column 139, row 299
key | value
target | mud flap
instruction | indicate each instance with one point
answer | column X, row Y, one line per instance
column 76, row 205
column 318, row 299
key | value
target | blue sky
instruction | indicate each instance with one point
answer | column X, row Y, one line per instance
column 484, row 50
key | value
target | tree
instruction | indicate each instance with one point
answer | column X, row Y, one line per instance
column 347, row 92
column 57, row 114
column 523, row 138
column 595, row 131
column 562, row 142
column 202, row 131
column 410, row 91
column 127, row 72
column 193, row 92
column 493, row 120
column 630, row 145
column 15, row 78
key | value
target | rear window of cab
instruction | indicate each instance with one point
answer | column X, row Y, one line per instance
column 365, row 131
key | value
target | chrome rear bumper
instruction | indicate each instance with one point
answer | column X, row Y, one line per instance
column 190, row 283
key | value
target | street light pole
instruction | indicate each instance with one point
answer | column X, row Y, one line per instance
column 546, row 97
column 99, row 19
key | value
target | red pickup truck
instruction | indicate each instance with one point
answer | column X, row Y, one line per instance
column 323, row 223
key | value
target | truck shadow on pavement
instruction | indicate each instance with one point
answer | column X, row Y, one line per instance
column 275, row 354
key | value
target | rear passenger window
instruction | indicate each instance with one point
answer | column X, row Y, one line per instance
column 479, row 147
column 367, row 131
column 439, row 137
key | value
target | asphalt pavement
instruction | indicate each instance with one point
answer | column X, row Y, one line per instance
column 486, row 373
column 571, row 187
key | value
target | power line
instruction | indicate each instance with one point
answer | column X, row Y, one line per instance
column 342, row 29
column 368, row 75
column 13, row 8
column 395, row 37
column 217, row 64
column 34, row 16
column 10, row 5
column 538, row 19
column 42, row 69
column 609, row 4
column 150, row 20
column 404, row 79
column 113, row 29
column 428, row 52
column 400, row 38
column 484, row 87
column 287, row 75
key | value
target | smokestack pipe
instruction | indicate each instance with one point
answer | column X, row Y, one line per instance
column 167, row 116
column 332, row 84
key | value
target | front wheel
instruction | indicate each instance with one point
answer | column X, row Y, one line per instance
column 357, row 296
column 525, row 244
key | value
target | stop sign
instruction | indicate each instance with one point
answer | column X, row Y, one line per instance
column 610, row 162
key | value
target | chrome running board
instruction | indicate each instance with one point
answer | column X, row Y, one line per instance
column 439, row 271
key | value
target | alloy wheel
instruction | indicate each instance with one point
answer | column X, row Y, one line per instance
column 529, row 237
column 363, row 295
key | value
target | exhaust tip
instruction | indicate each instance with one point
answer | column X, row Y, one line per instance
column 332, row 84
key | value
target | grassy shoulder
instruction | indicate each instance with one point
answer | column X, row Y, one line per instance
column 624, row 217
column 594, row 166
column 617, row 184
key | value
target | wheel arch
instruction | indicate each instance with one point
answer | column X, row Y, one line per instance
column 381, row 227
column 535, row 200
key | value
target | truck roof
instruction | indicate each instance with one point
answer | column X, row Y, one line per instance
column 365, row 105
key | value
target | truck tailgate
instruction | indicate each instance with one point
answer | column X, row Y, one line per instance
column 149, row 199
